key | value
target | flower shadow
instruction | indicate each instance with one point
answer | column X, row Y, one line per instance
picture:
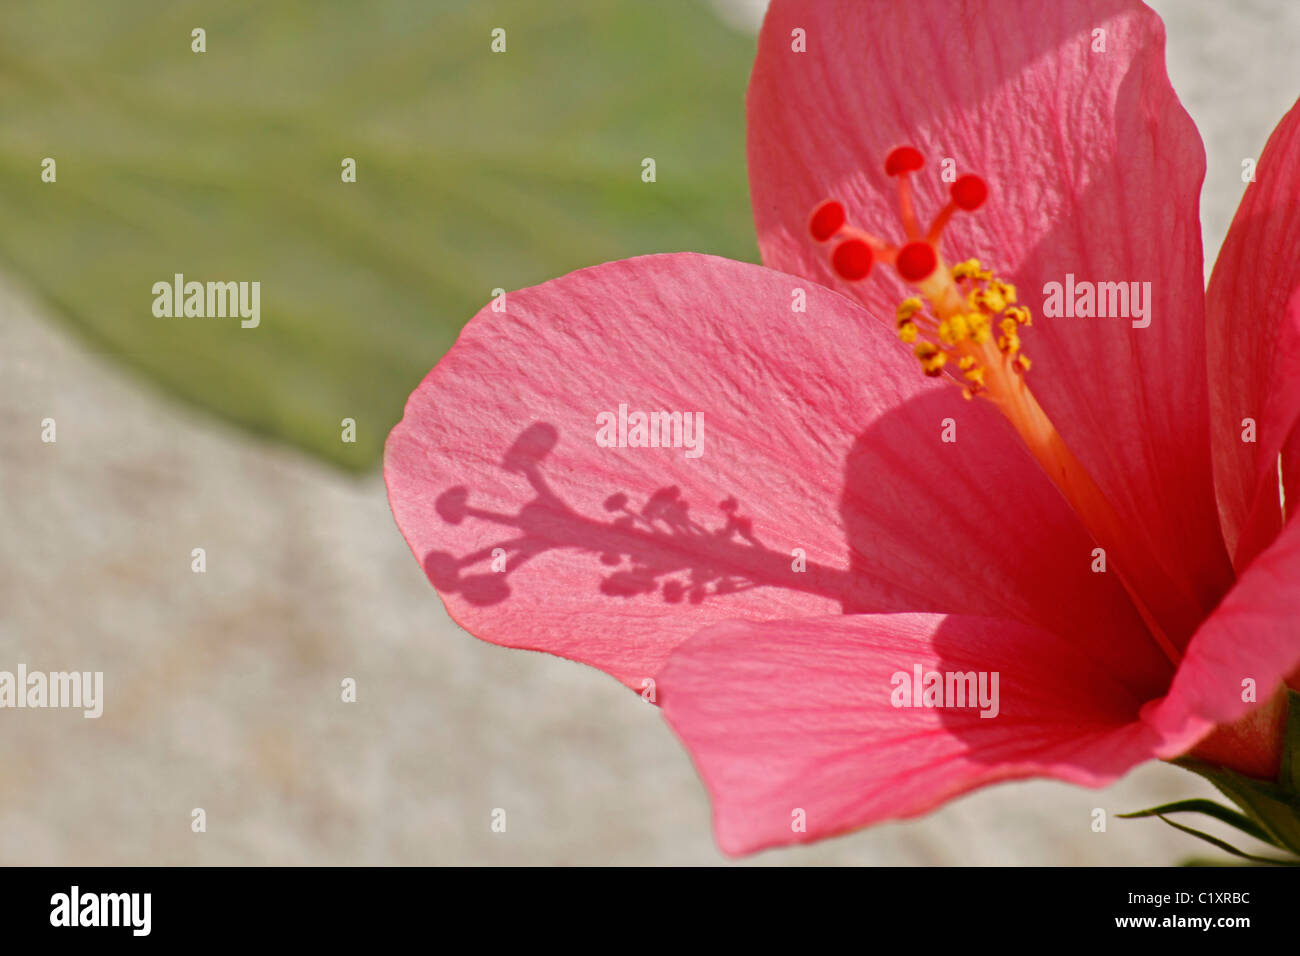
column 656, row 546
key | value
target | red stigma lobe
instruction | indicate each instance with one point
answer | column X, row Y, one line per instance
column 826, row 221
column 916, row 261
column 852, row 259
column 904, row 159
column 969, row 192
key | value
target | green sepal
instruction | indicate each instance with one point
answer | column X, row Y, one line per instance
column 1289, row 776
column 1274, row 807
column 1270, row 811
column 1211, row 809
column 1228, row 847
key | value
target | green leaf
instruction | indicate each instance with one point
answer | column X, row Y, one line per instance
column 1209, row 808
column 1197, row 861
column 475, row 171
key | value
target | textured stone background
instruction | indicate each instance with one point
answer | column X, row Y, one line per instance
column 222, row 689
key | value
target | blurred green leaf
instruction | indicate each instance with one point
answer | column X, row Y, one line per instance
column 475, row 171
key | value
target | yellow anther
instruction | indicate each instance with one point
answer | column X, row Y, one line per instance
column 934, row 366
column 1023, row 361
column 955, row 330
column 988, row 300
column 967, row 331
column 932, row 358
column 908, row 308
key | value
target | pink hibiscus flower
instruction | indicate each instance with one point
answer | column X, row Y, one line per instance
column 773, row 498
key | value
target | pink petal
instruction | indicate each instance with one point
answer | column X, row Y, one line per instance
column 604, row 561
column 1254, row 343
column 797, row 715
column 1094, row 169
column 1291, row 471
column 1254, row 633
column 1277, row 414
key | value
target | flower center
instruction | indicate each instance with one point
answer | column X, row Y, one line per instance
column 966, row 324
